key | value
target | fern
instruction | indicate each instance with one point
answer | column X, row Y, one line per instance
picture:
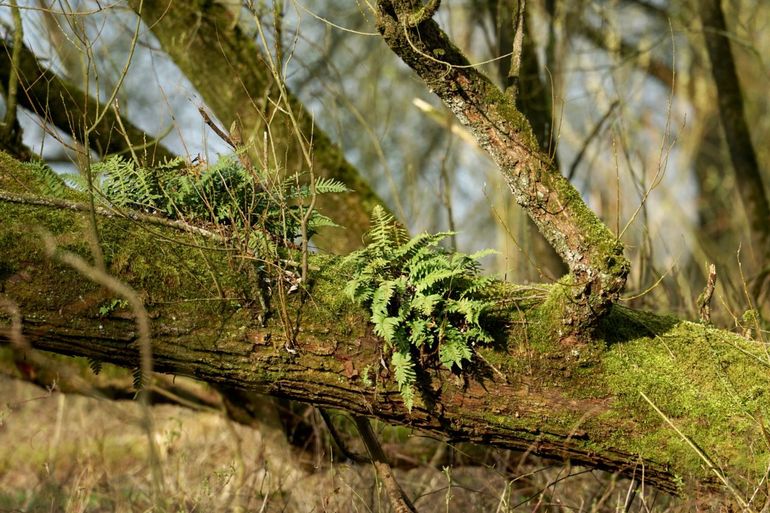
column 225, row 194
column 138, row 379
column 51, row 183
column 95, row 365
column 422, row 300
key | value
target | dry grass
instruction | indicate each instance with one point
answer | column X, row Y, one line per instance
column 76, row 454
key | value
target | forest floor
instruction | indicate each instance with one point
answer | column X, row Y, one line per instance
column 77, row 454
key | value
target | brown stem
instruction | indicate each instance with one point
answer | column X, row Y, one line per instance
column 398, row 499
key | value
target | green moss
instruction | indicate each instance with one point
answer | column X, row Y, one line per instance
column 544, row 323
column 704, row 380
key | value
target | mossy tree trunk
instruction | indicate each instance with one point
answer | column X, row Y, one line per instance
column 582, row 401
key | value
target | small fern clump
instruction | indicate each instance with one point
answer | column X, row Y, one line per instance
column 224, row 194
column 425, row 302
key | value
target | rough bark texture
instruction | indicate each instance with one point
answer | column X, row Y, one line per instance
column 230, row 73
column 593, row 255
column 578, row 401
column 64, row 106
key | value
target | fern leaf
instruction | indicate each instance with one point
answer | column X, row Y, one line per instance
column 381, row 298
column 139, row 380
column 95, row 366
column 424, row 240
column 386, row 327
column 405, row 374
column 420, row 333
column 426, row 305
column 429, row 281
column 453, row 349
column 330, row 185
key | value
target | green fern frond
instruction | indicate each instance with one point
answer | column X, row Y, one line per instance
column 139, row 380
column 405, row 374
column 386, row 327
column 225, row 194
column 436, row 277
column 420, row 297
column 95, row 366
column 381, row 298
column 330, row 186
column 51, row 183
column 424, row 240
column 454, row 350
column 426, row 305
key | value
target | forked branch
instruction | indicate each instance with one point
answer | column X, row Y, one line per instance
column 593, row 255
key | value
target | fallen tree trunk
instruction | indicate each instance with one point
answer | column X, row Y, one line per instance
column 535, row 390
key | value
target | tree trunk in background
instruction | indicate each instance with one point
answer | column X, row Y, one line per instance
column 534, row 101
column 749, row 179
column 232, row 76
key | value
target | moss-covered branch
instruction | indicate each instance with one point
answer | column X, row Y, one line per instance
column 592, row 253
column 531, row 391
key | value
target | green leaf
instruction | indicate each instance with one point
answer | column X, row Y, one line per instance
column 420, row 333
column 426, row 305
column 381, row 298
column 404, row 372
column 453, row 349
column 386, row 327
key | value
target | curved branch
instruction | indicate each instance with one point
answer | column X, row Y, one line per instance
column 592, row 253
column 62, row 105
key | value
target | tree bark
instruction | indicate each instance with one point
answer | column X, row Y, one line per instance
column 593, row 255
column 531, row 390
column 749, row 181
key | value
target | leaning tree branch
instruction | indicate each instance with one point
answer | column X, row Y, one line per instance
column 581, row 402
column 593, row 255
column 62, row 105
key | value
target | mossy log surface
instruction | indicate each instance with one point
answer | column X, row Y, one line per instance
column 535, row 390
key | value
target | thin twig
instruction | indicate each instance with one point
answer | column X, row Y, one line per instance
column 396, row 495
column 13, row 77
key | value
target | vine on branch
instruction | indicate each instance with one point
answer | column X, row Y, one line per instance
column 427, row 304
